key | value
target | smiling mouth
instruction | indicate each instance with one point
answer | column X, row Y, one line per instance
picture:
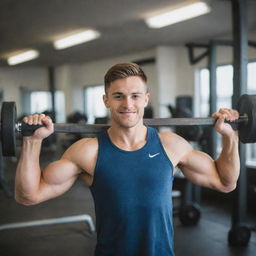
column 127, row 112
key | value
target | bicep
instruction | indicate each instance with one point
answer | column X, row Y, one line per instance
column 197, row 166
column 57, row 178
column 200, row 168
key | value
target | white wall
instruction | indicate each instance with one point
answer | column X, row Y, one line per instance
column 166, row 65
column 63, row 83
column 31, row 78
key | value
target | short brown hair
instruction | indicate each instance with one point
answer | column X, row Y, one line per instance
column 123, row 70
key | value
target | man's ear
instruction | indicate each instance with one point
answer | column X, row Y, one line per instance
column 147, row 99
column 105, row 99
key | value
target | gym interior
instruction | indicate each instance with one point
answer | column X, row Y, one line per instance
column 194, row 65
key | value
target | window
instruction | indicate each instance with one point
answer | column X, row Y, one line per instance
column 224, row 96
column 252, row 78
column 94, row 105
column 41, row 101
column 204, row 92
column 224, row 88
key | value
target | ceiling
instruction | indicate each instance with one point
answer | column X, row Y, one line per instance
column 36, row 23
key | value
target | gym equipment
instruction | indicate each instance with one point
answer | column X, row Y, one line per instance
column 247, row 104
column 183, row 108
column 189, row 214
column 239, row 236
column 61, row 220
column 246, row 124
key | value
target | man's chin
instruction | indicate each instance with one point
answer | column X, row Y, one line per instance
column 128, row 124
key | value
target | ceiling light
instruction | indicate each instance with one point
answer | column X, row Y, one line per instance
column 186, row 11
column 75, row 39
column 23, row 57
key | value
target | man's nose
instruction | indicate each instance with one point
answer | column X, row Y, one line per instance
column 127, row 102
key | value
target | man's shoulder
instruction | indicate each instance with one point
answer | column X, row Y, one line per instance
column 85, row 147
column 169, row 138
column 88, row 141
column 168, row 135
column 86, row 144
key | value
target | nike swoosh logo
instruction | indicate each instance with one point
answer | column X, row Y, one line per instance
column 151, row 156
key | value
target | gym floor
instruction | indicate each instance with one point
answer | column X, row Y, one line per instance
column 209, row 237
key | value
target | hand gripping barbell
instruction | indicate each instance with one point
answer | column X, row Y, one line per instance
column 246, row 124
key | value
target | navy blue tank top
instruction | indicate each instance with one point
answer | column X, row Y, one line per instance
column 132, row 192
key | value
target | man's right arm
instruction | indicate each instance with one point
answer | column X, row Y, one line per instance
column 33, row 185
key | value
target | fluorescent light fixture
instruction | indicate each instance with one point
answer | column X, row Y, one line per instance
column 185, row 12
column 23, row 57
column 75, row 39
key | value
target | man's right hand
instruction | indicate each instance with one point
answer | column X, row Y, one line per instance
column 40, row 119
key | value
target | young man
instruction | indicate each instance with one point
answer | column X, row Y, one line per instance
column 129, row 169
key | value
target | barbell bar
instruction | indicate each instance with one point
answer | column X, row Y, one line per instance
column 246, row 124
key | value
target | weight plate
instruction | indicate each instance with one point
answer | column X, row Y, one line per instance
column 247, row 106
column 239, row 236
column 8, row 135
column 189, row 214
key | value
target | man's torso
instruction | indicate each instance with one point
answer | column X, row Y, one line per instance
column 169, row 141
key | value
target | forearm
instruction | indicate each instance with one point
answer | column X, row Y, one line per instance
column 28, row 173
column 228, row 163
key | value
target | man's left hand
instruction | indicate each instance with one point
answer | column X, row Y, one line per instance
column 225, row 114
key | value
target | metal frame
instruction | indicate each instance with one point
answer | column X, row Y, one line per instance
column 54, row 221
column 52, row 89
column 240, row 51
column 212, row 65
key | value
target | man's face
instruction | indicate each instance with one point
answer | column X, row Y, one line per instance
column 126, row 99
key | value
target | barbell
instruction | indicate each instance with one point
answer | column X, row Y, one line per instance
column 246, row 124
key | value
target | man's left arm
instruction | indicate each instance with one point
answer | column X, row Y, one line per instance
column 228, row 163
column 221, row 174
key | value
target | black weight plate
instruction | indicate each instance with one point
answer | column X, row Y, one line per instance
column 247, row 106
column 8, row 135
column 239, row 236
column 189, row 214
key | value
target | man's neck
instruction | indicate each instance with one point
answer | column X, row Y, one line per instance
column 128, row 138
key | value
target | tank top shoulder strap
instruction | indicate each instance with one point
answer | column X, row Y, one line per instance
column 102, row 137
